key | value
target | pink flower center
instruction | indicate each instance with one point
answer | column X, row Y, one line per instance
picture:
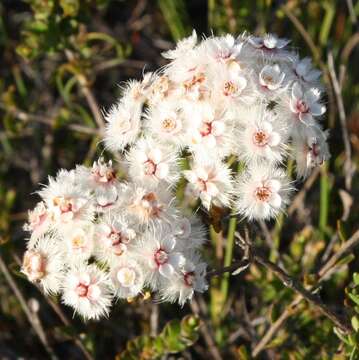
column 263, row 193
column 202, row 185
column 188, row 278
column 302, row 107
column 82, row 290
column 205, row 129
column 260, row 138
column 161, row 257
column 150, row 167
column 104, row 176
column 315, row 150
column 117, row 242
column 223, row 55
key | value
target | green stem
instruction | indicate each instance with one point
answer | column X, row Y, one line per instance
column 228, row 256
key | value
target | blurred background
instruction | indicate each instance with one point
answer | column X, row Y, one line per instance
column 62, row 62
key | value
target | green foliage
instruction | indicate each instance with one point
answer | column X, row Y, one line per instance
column 176, row 336
column 57, row 25
column 351, row 341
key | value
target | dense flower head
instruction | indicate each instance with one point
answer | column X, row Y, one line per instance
column 224, row 117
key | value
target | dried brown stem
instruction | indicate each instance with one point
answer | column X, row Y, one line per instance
column 86, row 91
column 316, row 54
column 299, row 198
column 292, row 307
column 306, row 294
column 33, row 320
column 23, row 116
column 231, row 268
column 296, row 286
column 57, row 309
column 206, row 332
column 348, row 168
column 232, row 23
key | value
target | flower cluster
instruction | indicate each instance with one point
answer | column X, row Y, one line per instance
column 95, row 238
column 218, row 104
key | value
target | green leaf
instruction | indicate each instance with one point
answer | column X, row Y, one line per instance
column 355, row 323
column 175, row 15
column 353, row 297
column 356, row 278
column 175, row 337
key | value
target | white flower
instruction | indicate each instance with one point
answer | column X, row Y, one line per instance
column 233, row 85
column 211, row 131
column 169, row 122
column 114, row 235
column 263, row 136
column 183, row 46
column 262, row 192
column 303, row 69
column 101, row 181
column 190, row 278
column 271, row 78
column 66, row 201
column 150, row 163
column 79, row 241
column 195, row 86
column 39, row 220
column 123, row 124
column 157, row 251
column 305, row 104
column 135, row 92
column 43, row 263
column 162, row 89
column 149, row 206
column 268, row 43
column 310, row 150
column 189, row 232
column 211, row 182
column 127, row 278
column 224, row 49
column 87, row 289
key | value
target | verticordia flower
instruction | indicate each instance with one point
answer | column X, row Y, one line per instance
column 220, row 104
column 43, row 263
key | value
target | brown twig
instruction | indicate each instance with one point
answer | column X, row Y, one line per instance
column 316, row 54
column 289, row 282
column 299, row 198
column 206, row 332
column 231, row 268
column 23, row 116
column 232, row 23
column 35, row 323
column 274, row 328
column 86, row 91
column 293, row 306
column 57, row 309
column 307, row 38
column 344, row 57
column 348, row 168
column 296, row 286
column 344, row 249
